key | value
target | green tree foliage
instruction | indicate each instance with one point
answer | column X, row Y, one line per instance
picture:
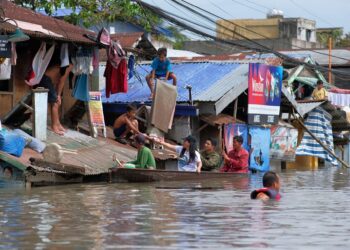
column 338, row 38
column 92, row 12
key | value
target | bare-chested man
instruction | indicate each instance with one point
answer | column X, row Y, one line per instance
column 125, row 124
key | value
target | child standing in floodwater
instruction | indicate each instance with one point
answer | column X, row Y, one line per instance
column 270, row 191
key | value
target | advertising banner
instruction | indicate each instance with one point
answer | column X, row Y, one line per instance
column 259, row 148
column 264, row 93
column 284, row 143
column 96, row 110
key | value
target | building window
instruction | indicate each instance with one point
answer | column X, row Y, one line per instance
column 308, row 35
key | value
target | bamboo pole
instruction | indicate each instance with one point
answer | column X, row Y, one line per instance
column 330, row 59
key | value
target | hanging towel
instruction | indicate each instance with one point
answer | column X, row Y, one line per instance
column 13, row 54
column 5, row 69
column 131, row 65
column 163, row 106
column 95, row 59
column 115, row 54
column 116, row 78
column 82, row 61
column 40, row 62
column 81, row 88
column 64, row 55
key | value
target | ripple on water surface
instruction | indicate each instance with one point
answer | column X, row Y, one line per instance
column 313, row 214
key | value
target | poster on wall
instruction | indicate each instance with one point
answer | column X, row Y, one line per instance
column 264, row 93
column 233, row 129
column 284, row 143
column 5, row 47
column 259, row 148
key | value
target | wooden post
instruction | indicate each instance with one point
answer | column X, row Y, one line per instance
column 235, row 105
column 40, row 113
column 330, row 59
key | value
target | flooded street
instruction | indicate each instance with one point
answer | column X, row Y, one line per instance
column 312, row 214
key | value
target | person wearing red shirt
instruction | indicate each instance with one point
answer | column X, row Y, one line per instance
column 237, row 159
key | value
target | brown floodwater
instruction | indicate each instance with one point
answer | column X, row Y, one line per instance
column 312, row 214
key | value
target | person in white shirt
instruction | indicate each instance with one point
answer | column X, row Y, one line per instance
column 189, row 158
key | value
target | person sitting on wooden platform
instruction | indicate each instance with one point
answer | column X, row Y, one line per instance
column 211, row 160
column 145, row 158
column 126, row 124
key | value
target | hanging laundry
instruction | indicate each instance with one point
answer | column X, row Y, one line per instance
column 116, row 78
column 82, row 61
column 40, row 62
column 339, row 97
column 5, row 69
column 64, row 55
column 131, row 66
column 81, row 88
column 115, row 53
column 13, row 54
column 96, row 59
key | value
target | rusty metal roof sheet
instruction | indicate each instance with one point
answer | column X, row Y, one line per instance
column 58, row 30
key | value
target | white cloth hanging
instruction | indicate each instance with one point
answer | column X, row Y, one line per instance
column 339, row 97
column 40, row 62
column 13, row 54
column 64, row 55
column 5, row 69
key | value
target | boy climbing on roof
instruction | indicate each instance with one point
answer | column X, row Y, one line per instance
column 270, row 191
column 161, row 68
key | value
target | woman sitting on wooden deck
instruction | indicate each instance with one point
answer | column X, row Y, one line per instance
column 145, row 158
column 189, row 158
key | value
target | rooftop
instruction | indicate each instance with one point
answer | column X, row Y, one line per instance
column 213, row 82
column 38, row 25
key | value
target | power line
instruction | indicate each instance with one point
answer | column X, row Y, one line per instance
column 169, row 17
column 310, row 13
column 240, row 3
column 257, row 4
column 265, row 47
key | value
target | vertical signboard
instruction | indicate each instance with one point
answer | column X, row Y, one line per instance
column 264, row 93
column 96, row 116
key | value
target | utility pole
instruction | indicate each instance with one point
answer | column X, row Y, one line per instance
column 330, row 59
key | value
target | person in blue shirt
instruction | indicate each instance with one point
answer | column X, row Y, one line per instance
column 161, row 68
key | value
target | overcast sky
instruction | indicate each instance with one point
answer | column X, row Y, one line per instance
column 326, row 13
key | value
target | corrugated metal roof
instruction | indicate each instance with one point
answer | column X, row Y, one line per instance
column 64, row 31
column 210, row 81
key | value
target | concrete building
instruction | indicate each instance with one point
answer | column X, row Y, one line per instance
column 275, row 32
